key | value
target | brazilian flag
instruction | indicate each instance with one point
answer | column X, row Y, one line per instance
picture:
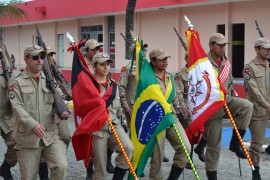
column 152, row 113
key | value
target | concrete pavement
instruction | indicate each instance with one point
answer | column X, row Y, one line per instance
column 228, row 166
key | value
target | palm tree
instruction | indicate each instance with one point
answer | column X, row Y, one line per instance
column 7, row 10
column 130, row 11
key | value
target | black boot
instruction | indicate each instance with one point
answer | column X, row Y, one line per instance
column 256, row 173
column 267, row 150
column 90, row 171
column 5, row 171
column 175, row 173
column 109, row 166
column 119, row 173
column 235, row 145
column 43, row 171
column 199, row 149
column 188, row 166
column 142, row 175
column 211, row 175
column 165, row 159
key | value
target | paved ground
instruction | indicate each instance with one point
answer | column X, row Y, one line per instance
column 228, row 167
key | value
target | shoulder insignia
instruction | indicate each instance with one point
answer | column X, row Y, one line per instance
column 168, row 73
column 247, row 70
column 123, row 69
column 17, row 75
column 176, row 77
column 11, row 88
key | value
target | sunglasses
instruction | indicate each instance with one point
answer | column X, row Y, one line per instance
column 41, row 56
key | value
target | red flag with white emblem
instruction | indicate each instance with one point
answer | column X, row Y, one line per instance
column 206, row 94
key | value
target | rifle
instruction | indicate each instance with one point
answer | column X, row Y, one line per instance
column 12, row 58
column 183, row 122
column 257, row 27
column 181, row 40
column 61, row 81
column 261, row 35
column 60, row 106
column 85, row 36
column 3, row 58
column 126, row 39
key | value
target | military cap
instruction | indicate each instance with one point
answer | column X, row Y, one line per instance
column 92, row 44
column 101, row 58
column 158, row 53
column 262, row 42
column 218, row 38
column 33, row 50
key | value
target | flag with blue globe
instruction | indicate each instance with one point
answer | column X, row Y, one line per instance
column 152, row 113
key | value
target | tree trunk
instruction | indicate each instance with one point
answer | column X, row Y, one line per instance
column 130, row 11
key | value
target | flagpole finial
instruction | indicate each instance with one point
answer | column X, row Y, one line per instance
column 71, row 39
column 190, row 26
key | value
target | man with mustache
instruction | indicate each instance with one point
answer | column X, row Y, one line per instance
column 257, row 86
column 36, row 132
column 241, row 109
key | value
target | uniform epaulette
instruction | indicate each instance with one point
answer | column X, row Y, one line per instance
column 168, row 73
column 181, row 70
column 17, row 76
column 252, row 61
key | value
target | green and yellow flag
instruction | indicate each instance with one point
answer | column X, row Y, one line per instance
column 151, row 114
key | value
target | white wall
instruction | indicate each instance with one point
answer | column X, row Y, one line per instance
column 155, row 28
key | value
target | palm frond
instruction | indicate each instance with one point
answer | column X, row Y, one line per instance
column 12, row 12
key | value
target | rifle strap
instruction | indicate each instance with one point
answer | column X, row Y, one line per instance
column 109, row 96
column 5, row 53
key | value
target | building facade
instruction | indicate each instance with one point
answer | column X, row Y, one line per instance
column 104, row 20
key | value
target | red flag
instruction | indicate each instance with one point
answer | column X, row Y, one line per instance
column 206, row 94
column 90, row 112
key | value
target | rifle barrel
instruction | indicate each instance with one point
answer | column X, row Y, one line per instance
column 59, row 103
column 181, row 40
column 125, row 39
column 259, row 30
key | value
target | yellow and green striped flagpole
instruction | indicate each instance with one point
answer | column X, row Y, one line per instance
column 186, row 152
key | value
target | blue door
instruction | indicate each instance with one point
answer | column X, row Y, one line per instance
column 61, row 50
